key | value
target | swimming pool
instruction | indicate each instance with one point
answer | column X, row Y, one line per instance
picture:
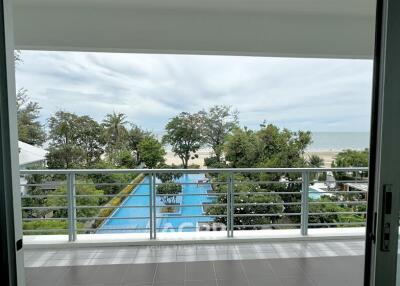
column 136, row 219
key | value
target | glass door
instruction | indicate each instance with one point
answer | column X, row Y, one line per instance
column 384, row 201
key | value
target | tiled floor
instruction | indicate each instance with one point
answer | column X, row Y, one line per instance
column 188, row 253
column 317, row 271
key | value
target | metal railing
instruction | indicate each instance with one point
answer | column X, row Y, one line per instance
column 92, row 201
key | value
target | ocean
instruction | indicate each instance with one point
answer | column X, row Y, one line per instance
column 327, row 141
column 337, row 141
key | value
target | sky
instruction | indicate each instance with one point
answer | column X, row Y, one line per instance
column 320, row 95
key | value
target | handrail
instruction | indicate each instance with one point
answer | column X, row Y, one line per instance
column 232, row 210
column 189, row 171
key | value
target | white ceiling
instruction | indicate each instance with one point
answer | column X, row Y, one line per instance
column 300, row 28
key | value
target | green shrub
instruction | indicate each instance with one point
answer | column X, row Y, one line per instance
column 169, row 191
column 60, row 227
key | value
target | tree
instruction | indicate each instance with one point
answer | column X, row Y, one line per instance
column 282, row 148
column 115, row 130
column 168, row 177
column 330, row 206
column 242, row 148
column 64, row 150
column 217, row 123
column 351, row 158
column 90, row 140
column 315, row 161
column 76, row 141
column 152, row 152
column 135, row 136
column 91, row 197
column 30, row 130
column 248, row 203
column 183, row 133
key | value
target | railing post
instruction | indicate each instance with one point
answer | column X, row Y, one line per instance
column 230, row 207
column 304, row 201
column 151, row 204
column 71, row 201
column 154, row 204
column 232, row 204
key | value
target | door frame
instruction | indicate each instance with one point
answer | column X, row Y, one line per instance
column 384, row 183
column 11, row 253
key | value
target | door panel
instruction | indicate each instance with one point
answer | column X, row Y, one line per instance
column 382, row 238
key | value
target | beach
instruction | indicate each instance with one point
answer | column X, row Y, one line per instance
column 327, row 156
column 171, row 158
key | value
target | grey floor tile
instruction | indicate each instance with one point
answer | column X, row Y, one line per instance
column 285, row 266
column 297, row 280
column 201, row 283
column 170, row 272
column 174, row 283
column 137, row 284
column 229, row 270
column 46, row 276
column 201, row 270
column 81, row 275
column 139, row 273
column 257, row 268
column 232, row 283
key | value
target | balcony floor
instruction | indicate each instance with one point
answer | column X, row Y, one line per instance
column 311, row 263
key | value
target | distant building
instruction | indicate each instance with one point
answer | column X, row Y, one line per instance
column 30, row 157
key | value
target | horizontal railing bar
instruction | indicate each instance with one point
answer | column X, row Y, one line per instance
column 177, row 227
column 340, row 203
column 267, row 215
column 338, row 192
column 43, row 218
column 116, row 218
column 45, row 208
column 43, row 185
column 189, row 171
column 266, row 204
column 111, row 196
column 45, row 230
column 267, row 182
column 190, row 183
column 268, row 193
column 338, row 213
column 197, row 205
column 191, row 216
column 106, row 229
column 263, row 225
column 42, row 196
column 336, row 223
column 192, row 194
column 341, row 181
column 109, row 207
column 111, row 184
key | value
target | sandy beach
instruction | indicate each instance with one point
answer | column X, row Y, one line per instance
column 170, row 158
column 327, row 156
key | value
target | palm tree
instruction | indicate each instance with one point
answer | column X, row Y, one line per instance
column 315, row 161
column 114, row 126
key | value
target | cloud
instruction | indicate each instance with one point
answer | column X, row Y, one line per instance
column 312, row 94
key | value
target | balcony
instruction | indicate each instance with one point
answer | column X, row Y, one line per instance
column 208, row 203
column 299, row 226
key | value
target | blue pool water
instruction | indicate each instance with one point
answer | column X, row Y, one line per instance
column 315, row 196
column 138, row 217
